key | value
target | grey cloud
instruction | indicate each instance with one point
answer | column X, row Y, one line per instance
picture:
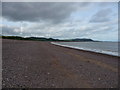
column 36, row 11
column 9, row 30
column 0, row 8
column 16, row 31
column 106, row 4
column 57, row 31
column 29, row 13
column 101, row 16
column 119, row 13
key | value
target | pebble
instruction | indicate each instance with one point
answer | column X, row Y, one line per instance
column 53, row 84
column 26, row 67
column 26, row 76
column 99, row 79
column 7, row 79
column 48, row 73
column 14, row 76
column 3, row 84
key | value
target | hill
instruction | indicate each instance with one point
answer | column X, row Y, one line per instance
column 46, row 39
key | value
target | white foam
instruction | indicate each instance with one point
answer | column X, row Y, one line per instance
column 88, row 49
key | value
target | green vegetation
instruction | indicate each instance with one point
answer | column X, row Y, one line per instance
column 44, row 39
column 30, row 38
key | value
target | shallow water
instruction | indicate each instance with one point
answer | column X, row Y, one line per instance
column 110, row 48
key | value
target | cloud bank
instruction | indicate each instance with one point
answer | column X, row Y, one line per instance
column 34, row 11
column 61, row 20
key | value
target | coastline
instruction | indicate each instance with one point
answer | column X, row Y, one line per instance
column 87, row 50
column 35, row 64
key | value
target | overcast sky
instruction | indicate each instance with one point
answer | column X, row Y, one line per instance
column 62, row 20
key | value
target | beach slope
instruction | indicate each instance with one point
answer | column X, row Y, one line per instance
column 37, row 64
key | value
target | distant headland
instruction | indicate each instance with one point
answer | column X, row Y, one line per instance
column 47, row 39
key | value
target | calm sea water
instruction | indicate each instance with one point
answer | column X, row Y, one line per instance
column 110, row 48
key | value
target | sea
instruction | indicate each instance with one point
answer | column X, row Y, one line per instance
column 110, row 48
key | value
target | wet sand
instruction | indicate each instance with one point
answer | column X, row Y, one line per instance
column 37, row 64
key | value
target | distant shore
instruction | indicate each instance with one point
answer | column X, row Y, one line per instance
column 46, row 39
column 35, row 64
